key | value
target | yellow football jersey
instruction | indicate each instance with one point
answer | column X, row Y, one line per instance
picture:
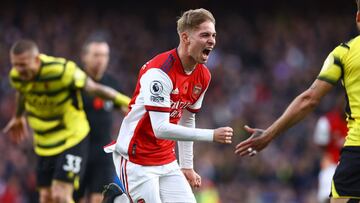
column 53, row 105
column 343, row 63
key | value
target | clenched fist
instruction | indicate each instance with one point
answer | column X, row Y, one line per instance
column 223, row 135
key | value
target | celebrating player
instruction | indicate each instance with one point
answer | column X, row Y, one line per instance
column 169, row 91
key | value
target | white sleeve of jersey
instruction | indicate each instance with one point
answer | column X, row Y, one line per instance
column 322, row 131
column 186, row 154
column 156, row 86
column 198, row 103
column 163, row 129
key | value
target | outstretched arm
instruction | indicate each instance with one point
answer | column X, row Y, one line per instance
column 156, row 87
column 301, row 106
column 106, row 92
column 163, row 129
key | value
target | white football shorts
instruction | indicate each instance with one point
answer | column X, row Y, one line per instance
column 153, row 184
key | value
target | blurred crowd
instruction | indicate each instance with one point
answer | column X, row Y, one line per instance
column 260, row 63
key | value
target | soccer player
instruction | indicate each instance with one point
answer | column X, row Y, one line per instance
column 48, row 90
column 99, row 169
column 330, row 132
column 169, row 91
column 342, row 64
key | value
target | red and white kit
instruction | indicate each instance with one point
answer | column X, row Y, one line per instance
column 162, row 111
column 330, row 133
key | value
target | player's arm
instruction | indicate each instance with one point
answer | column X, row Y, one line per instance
column 17, row 125
column 163, row 129
column 81, row 81
column 301, row 106
column 156, row 87
column 105, row 92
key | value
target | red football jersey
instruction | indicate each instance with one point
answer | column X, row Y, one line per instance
column 162, row 86
column 330, row 132
column 338, row 131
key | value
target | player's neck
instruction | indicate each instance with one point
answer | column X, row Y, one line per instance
column 187, row 61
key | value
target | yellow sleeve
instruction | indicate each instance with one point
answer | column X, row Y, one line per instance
column 79, row 76
column 121, row 100
column 14, row 79
column 333, row 67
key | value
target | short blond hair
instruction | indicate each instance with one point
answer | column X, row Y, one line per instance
column 358, row 4
column 23, row 45
column 191, row 19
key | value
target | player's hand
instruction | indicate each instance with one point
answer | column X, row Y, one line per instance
column 192, row 177
column 17, row 129
column 223, row 135
column 254, row 144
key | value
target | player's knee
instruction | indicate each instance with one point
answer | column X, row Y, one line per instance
column 96, row 198
column 59, row 198
column 61, row 193
column 342, row 200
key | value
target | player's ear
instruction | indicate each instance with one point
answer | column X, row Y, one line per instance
column 185, row 37
column 37, row 60
column 358, row 16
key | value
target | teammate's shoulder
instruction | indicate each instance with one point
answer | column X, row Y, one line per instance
column 354, row 42
column 15, row 80
column 343, row 48
column 55, row 67
column 47, row 60
column 14, row 75
column 51, row 67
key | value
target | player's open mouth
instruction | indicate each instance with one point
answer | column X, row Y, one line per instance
column 207, row 51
